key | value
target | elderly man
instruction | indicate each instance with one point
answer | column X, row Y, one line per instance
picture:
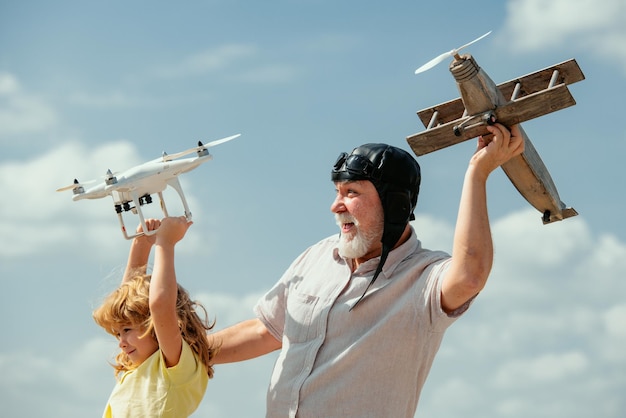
column 359, row 316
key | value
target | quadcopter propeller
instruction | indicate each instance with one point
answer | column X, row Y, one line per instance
column 74, row 185
column 219, row 141
column 430, row 64
column 200, row 147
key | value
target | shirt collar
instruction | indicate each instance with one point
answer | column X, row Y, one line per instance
column 396, row 256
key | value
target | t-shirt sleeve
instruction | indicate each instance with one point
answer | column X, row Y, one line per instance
column 187, row 369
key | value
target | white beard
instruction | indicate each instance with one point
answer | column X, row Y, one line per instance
column 359, row 244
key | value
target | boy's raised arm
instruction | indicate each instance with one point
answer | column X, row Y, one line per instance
column 164, row 289
column 139, row 252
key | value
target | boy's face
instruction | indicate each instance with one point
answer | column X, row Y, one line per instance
column 137, row 346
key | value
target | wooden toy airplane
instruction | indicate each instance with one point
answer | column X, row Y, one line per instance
column 137, row 184
column 509, row 103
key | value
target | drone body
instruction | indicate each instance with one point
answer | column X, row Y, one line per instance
column 133, row 188
column 482, row 102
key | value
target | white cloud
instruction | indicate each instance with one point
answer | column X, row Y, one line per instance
column 34, row 384
column 551, row 367
column 615, row 321
column 207, row 61
column 332, row 43
column 586, row 24
column 38, row 211
column 608, row 252
column 33, row 181
column 228, row 309
column 549, row 326
column 465, row 396
column 233, row 60
column 267, row 74
column 521, row 236
column 8, row 84
column 433, row 233
column 114, row 99
column 21, row 113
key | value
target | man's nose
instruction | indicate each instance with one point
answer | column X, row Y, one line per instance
column 337, row 205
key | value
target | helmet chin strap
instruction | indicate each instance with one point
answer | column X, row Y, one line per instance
column 395, row 223
column 379, row 269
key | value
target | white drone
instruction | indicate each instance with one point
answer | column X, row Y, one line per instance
column 131, row 189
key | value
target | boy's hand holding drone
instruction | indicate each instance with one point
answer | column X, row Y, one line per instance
column 140, row 251
column 172, row 230
column 148, row 240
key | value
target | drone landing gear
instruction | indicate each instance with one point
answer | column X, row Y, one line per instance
column 122, row 205
column 145, row 199
column 139, row 201
column 125, row 206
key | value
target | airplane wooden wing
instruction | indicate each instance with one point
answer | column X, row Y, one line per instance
column 533, row 95
column 482, row 103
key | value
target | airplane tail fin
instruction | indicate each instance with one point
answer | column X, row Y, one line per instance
column 564, row 214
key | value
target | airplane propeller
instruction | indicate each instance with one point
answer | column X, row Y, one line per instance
column 200, row 147
column 430, row 64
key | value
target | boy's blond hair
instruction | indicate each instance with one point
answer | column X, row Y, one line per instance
column 129, row 305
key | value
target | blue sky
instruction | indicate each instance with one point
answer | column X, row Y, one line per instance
column 88, row 86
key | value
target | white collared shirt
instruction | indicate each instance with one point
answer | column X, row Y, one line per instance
column 368, row 362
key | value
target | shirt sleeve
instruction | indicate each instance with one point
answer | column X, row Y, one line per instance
column 440, row 320
column 271, row 308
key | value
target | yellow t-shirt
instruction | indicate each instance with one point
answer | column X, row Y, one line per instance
column 154, row 390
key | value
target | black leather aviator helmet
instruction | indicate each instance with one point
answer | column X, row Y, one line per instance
column 396, row 176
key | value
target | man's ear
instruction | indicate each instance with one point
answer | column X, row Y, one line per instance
column 397, row 207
